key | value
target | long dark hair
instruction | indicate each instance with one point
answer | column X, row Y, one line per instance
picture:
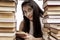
column 37, row 12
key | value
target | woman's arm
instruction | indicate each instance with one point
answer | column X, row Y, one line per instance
column 21, row 26
column 20, row 33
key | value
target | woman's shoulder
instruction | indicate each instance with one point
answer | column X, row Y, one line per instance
column 21, row 25
column 22, row 22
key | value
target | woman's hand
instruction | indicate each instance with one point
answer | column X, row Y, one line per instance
column 21, row 34
column 24, row 35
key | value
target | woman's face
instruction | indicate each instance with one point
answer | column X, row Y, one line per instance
column 28, row 12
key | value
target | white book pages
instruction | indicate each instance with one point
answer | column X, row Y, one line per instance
column 51, row 38
column 7, row 38
column 7, row 8
column 55, row 35
column 51, row 3
column 52, row 13
column 52, row 0
column 7, row 4
column 9, row 12
column 8, row 0
column 7, row 25
column 7, row 16
column 47, row 20
column 7, row 30
column 7, row 34
column 7, row 20
column 53, row 16
column 55, row 26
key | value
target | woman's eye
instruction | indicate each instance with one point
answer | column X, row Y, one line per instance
column 29, row 9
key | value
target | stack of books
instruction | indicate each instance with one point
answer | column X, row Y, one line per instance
column 7, row 19
column 51, row 19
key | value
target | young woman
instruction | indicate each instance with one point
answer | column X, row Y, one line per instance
column 31, row 25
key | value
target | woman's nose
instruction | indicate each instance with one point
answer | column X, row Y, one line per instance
column 28, row 14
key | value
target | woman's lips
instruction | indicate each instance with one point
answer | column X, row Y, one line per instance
column 29, row 16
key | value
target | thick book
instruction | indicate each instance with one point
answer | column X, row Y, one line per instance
column 46, row 29
column 50, row 20
column 51, row 3
column 7, row 4
column 54, row 26
column 7, row 12
column 7, row 24
column 7, row 38
column 47, row 26
column 52, row 8
column 8, row 0
column 57, row 36
column 7, row 9
column 7, row 15
column 49, row 0
column 52, row 16
column 16, row 1
column 54, row 30
column 7, row 34
column 7, row 30
column 51, row 38
column 7, row 20
column 52, row 13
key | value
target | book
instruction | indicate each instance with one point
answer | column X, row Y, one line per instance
column 54, row 30
column 52, row 16
column 51, row 3
column 52, row 8
column 7, row 4
column 52, row 0
column 54, row 26
column 21, row 33
column 7, row 15
column 7, row 20
column 8, row 0
column 7, row 30
column 47, row 26
column 16, row 1
column 51, row 13
column 49, row 0
column 9, row 12
column 7, row 34
column 50, row 20
column 51, row 38
column 7, row 9
column 57, row 36
column 7, row 38
column 7, row 25
column 46, row 29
